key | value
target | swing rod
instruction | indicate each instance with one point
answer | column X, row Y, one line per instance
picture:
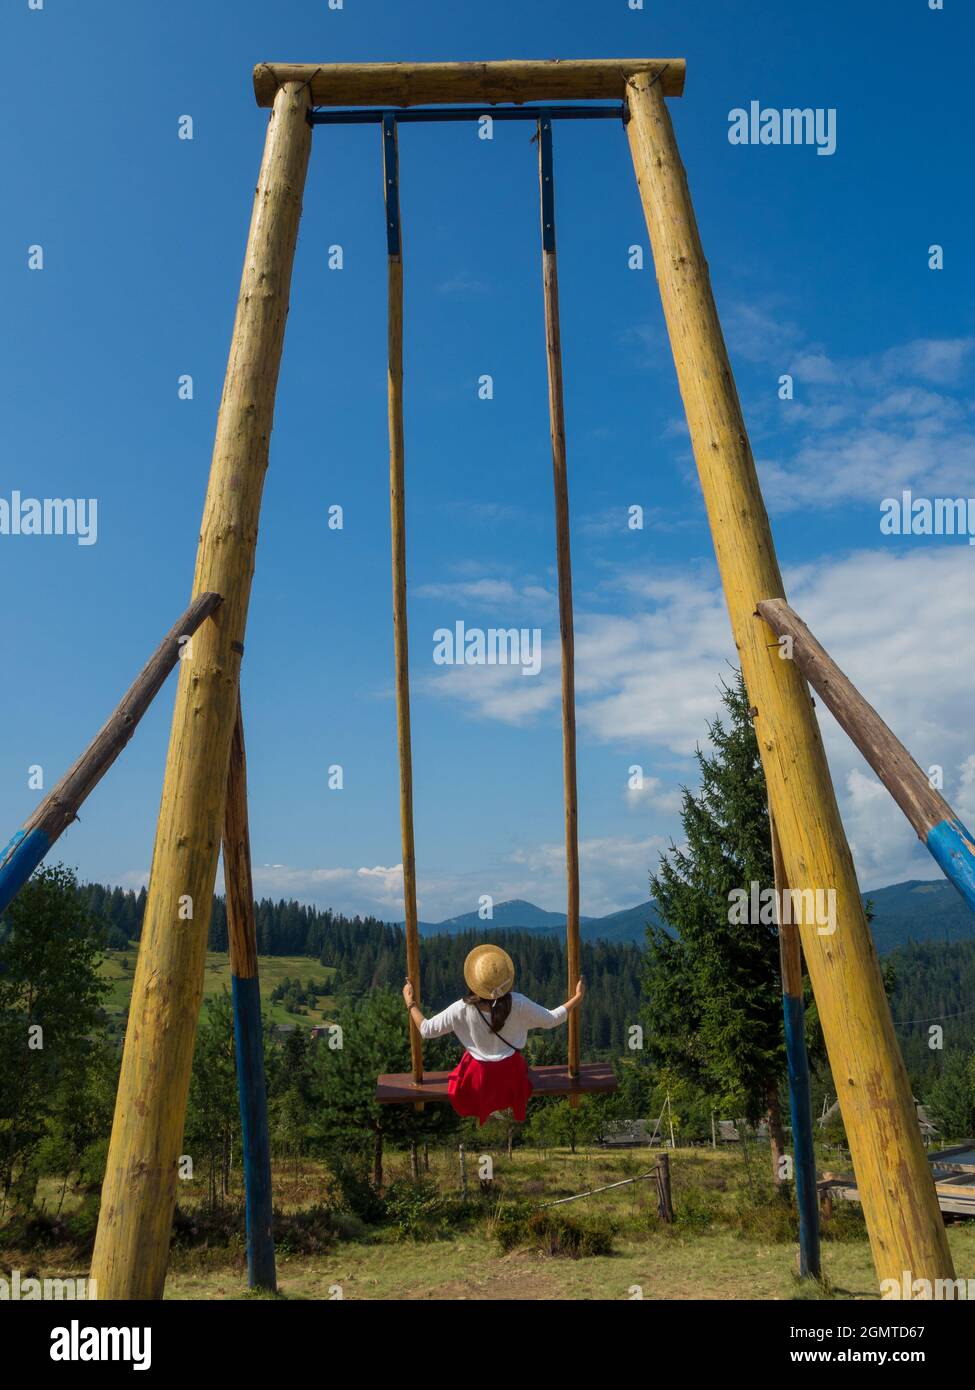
column 397, row 509
column 556, row 405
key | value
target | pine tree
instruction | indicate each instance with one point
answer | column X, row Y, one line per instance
column 51, row 1020
column 713, row 1005
column 375, row 1039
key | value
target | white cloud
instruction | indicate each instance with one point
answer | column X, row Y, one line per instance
column 652, row 796
column 613, row 872
column 941, row 361
column 488, row 591
column 647, row 681
column 462, row 282
column 759, row 331
column 873, row 425
column 502, row 693
column 964, row 797
column 377, row 890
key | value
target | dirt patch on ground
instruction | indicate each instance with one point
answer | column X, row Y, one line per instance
column 519, row 1276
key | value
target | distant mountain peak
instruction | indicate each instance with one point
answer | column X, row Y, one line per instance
column 513, row 912
column 917, row 909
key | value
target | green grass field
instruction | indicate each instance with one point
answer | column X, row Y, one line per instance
column 118, row 968
column 697, row 1258
column 718, row 1249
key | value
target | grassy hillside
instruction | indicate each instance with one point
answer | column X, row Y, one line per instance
column 118, row 968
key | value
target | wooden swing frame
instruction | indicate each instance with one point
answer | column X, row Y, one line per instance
column 139, row 1191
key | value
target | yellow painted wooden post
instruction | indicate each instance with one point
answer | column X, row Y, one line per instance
column 893, row 1176
column 132, row 1244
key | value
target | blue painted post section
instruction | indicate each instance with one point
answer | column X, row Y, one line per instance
column 19, row 860
column 797, row 1065
column 252, row 1090
column 807, row 1199
column 952, row 846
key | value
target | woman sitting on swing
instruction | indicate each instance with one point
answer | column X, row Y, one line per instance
column 492, row 1023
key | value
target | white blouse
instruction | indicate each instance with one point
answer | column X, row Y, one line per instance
column 473, row 1027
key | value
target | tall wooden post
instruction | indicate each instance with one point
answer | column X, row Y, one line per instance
column 139, row 1191
column 556, row 408
column 397, row 512
column 248, row 1027
column 797, row 1064
column 893, row 1177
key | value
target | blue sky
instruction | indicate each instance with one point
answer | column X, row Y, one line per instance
column 821, row 270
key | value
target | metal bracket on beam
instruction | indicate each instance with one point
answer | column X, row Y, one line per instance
column 548, row 180
column 391, row 179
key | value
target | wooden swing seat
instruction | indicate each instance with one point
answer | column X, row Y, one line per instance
column 594, row 1077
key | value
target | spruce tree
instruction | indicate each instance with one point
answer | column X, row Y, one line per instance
column 713, row 1002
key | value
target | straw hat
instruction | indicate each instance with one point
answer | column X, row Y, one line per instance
column 489, row 972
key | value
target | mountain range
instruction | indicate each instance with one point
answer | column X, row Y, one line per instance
column 918, row 910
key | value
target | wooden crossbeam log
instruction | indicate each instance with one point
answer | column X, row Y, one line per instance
column 936, row 824
column 418, row 84
column 61, row 805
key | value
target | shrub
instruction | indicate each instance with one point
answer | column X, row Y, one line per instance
column 355, row 1193
column 845, row 1224
column 33, row 1230
column 209, row 1227
column 417, row 1211
column 554, row 1232
column 695, row 1211
column 40, row 1230
column 82, row 1223
column 313, row 1231
column 767, row 1214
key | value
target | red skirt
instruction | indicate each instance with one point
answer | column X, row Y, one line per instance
column 481, row 1088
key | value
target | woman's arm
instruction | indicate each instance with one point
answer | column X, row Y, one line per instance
column 534, row 1015
column 438, row 1026
column 412, row 1007
column 578, row 997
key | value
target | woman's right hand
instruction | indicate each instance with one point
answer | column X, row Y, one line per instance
column 409, row 996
